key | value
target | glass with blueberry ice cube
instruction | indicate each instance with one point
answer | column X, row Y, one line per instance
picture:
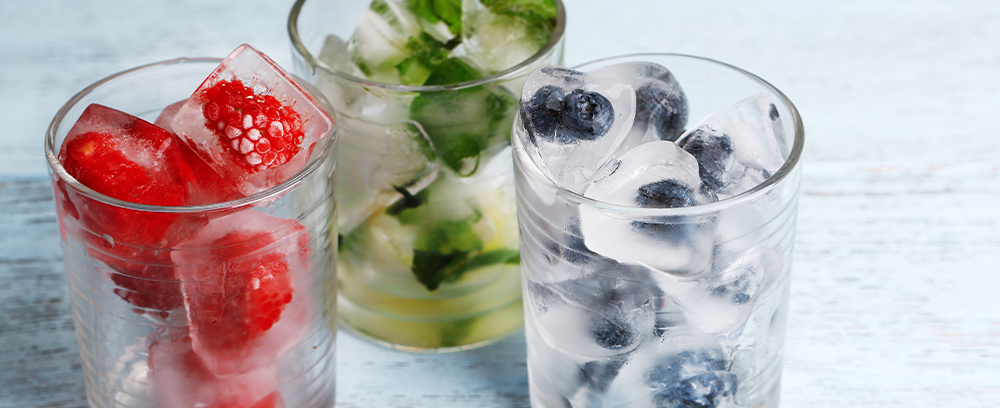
column 426, row 93
column 656, row 198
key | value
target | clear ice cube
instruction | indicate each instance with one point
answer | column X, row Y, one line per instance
column 387, row 45
column 574, row 122
column 377, row 163
column 655, row 175
column 463, row 123
column 720, row 302
column 739, row 147
column 251, row 122
column 599, row 315
column 661, row 111
column 499, row 35
column 335, row 54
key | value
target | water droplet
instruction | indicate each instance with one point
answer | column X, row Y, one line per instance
column 109, row 242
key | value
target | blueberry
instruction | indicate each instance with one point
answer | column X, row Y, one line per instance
column 691, row 379
column 672, row 369
column 666, row 194
column 714, row 152
column 541, row 113
column 773, row 112
column 586, row 115
column 736, row 290
column 665, row 109
column 704, row 390
column 597, row 375
column 613, row 335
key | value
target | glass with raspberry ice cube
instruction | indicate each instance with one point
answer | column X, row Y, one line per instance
column 200, row 271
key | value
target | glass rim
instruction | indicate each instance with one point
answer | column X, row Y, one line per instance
column 314, row 62
column 789, row 166
column 57, row 169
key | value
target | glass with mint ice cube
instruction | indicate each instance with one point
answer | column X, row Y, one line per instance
column 656, row 197
column 425, row 93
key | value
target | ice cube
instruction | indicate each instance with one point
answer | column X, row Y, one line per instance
column 335, row 54
column 389, row 46
column 125, row 157
column 251, row 122
column 600, row 315
column 211, row 186
column 661, row 111
column 574, row 122
column 739, row 147
column 692, row 378
column 655, row 175
column 180, row 379
column 721, row 301
column 498, row 35
column 380, row 163
column 239, row 276
column 462, row 123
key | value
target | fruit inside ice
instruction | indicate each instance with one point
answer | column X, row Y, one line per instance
column 181, row 380
column 127, row 158
column 739, row 147
column 658, row 174
column 239, row 274
column 629, row 309
column 225, row 286
column 575, row 121
column 251, row 123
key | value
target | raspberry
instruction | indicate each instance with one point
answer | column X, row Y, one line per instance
column 256, row 129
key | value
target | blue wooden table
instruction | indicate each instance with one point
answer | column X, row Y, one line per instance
column 897, row 259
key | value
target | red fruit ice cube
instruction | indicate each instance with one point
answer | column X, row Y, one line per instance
column 251, row 122
column 212, row 187
column 181, row 380
column 127, row 158
column 238, row 275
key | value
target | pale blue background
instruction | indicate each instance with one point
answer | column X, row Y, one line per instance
column 894, row 300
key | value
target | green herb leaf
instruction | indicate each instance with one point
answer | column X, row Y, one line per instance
column 448, row 11
column 462, row 123
column 432, row 268
column 406, row 202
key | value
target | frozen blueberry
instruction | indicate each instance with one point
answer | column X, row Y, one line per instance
column 666, row 194
column 670, row 194
column 541, row 113
column 714, row 152
column 665, row 109
column 736, row 290
column 613, row 334
column 597, row 375
column 773, row 113
column 700, row 391
column 586, row 115
column 672, row 369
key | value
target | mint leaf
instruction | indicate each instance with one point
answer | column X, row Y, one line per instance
column 425, row 54
column 452, row 71
column 539, row 11
column 448, row 11
column 462, row 123
column 408, row 201
column 432, row 268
